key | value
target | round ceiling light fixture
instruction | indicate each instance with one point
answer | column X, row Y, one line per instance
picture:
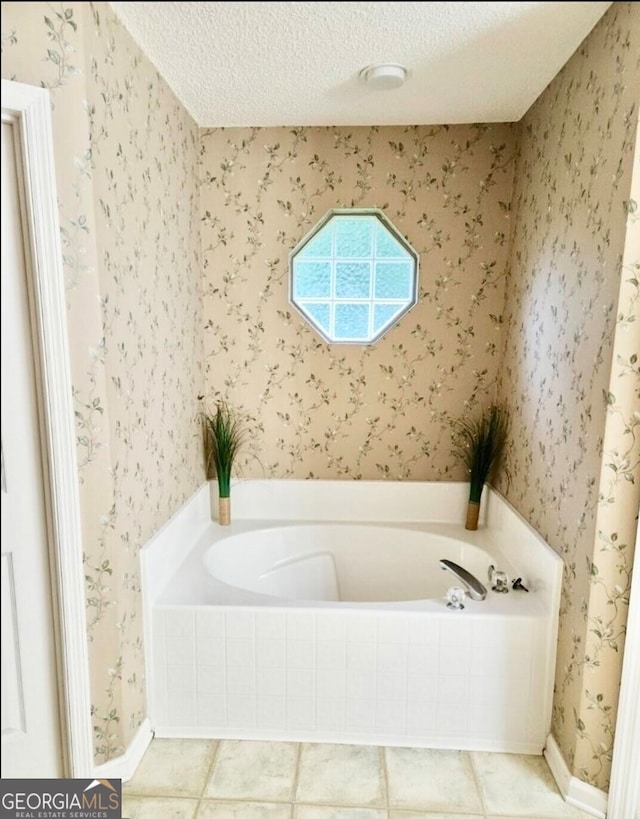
column 384, row 76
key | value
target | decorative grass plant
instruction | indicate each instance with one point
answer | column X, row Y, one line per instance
column 480, row 445
column 223, row 437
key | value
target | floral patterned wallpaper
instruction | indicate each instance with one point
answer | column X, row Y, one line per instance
column 565, row 328
column 144, row 146
column 126, row 160
column 127, row 165
column 380, row 411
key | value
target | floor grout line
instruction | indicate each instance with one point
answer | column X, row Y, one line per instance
column 211, row 767
column 478, row 782
column 385, row 776
column 296, row 777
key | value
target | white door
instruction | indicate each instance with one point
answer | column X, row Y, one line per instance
column 31, row 739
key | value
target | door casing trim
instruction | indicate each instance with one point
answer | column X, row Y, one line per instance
column 29, row 109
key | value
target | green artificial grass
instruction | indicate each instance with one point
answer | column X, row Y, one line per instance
column 223, row 436
column 480, row 445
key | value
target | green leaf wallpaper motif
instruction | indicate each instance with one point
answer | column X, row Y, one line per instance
column 568, row 377
column 143, row 160
column 126, row 163
column 175, row 249
column 359, row 412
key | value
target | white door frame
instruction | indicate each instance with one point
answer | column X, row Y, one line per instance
column 29, row 109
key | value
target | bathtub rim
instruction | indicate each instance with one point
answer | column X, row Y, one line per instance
column 193, row 586
column 213, row 537
column 164, row 554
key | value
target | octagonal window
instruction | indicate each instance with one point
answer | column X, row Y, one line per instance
column 353, row 276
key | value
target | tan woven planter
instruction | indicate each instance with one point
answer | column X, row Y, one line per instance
column 224, row 511
column 220, row 507
column 473, row 512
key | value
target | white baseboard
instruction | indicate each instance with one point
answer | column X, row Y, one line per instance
column 123, row 767
column 574, row 791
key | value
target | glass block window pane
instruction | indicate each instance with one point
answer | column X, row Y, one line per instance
column 353, row 281
column 387, row 246
column 321, row 313
column 383, row 315
column 354, row 238
column 352, row 322
column 353, row 276
column 320, row 246
column 313, row 280
column 393, row 280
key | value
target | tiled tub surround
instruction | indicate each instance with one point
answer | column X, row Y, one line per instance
column 226, row 662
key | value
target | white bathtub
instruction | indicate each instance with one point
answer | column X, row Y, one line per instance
column 321, row 628
column 342, row 562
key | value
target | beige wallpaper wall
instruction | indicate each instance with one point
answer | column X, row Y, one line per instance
column 564, row 329
column 381, row 411
column 126, row 161
column 127, row 178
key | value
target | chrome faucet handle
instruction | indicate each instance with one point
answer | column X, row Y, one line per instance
column 498, row 579
column 455, row 598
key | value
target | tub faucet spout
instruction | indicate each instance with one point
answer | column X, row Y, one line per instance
column 474, row 587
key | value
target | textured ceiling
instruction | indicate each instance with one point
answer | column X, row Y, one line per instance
column 297, row 63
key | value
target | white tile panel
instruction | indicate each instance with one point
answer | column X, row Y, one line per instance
column 330, row 683
column 180, row 623
column 393, row 629
column 240, row 681
column 271, row 682
column 330, row 713
column 210, row 680
column 300, row 654
column 241, row 710
column 270, row 625
column 240, row 625
column 300, row 682
column 391, row 686
column 421, row 718
column 361, row 684
column 331, row 654
column 300, row 626
column 422, row 659
column 360, row 715
column 212, row 710
column 271, row 654
column 361, row 627
column 422, row 688
column 300, row 712
column 392, row 656
column 332, row 626
column 210, row 623
column 361, row 656
column 390, row 716
column 210, row 651
column 181, row 679
column 240, row 653
column 271, row 712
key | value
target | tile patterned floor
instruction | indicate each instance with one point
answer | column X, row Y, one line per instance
column 230, row 779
